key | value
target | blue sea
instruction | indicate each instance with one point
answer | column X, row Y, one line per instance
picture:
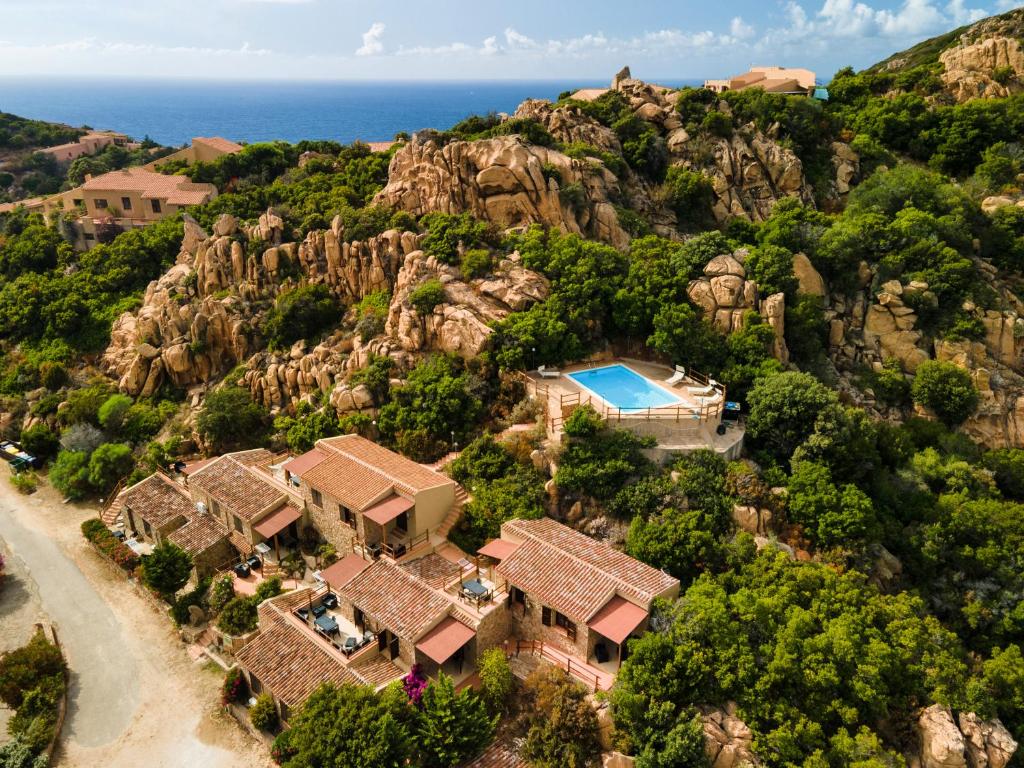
column 172, row 112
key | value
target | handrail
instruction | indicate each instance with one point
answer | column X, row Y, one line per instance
column 571, row 666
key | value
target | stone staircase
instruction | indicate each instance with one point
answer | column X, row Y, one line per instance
column 461, row 499
column 112, row 511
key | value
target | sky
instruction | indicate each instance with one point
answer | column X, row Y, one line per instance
column 461, row 40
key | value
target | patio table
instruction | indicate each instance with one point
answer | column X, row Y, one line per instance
column 475, row 588
column 327, row 624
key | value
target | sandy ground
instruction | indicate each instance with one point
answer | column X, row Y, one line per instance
column 136, row 697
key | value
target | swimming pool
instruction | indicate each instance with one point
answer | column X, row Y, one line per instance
column 624, row 388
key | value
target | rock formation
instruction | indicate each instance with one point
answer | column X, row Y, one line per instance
column 727, row 739
column 725, row 295
column 990, row 68
column 964, row 742
column 203, row 316
column 505, row 181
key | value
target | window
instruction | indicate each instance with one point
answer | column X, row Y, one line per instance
column 156, row 205
column 78, row 203
column 318, row 500
column 126, row 203
column 238, row 523
column 254, row 684
column 100, row 203
column 347, row 516
column 518, row 596
column 90, row 236
column 567, row 624
column 402, row 522
column 147, row 528
column 545, row 616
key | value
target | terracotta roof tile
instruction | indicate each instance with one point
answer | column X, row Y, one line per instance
column 177, row 190
column 503, row 753
column 158, row 500
column 395, row 599
column 431, row 569
column 574, row 573
column 224, row 145
column 290, row 662
column 236, row 485
column 199, row 534
column 358, row 471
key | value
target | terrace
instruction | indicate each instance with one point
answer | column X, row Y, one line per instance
column 683, row 410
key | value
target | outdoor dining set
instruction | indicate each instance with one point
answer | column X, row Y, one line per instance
column 327, row 626
column 475, row 591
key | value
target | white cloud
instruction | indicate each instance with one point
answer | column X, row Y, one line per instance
column 1007, row 5
column 963, row 15
column 740, row 29
column 372, row 45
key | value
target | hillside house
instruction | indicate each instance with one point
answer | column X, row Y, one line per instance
column 786, row 80
column 89, row 144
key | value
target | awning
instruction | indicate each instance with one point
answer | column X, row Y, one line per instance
column 388, row 509
column 499, row 549
column 445, row 639
column 303, row 463
column 617, row 619
column 277, row 521
column 342, row 572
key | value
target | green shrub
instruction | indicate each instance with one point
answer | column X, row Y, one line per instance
column 231, row 420
column 573, row 196
column 239, row 616
column 233, row 689
column 222, row 593
column 718, row 124
column 426, row 296
column 112, row 413
column 25, row 668
column 25, row 482
column 446, row 231
column 109, row 463
column 52, row 375
column 166, row 569
column 945, row 388
column 301, row 313
column 476, row 262
column 40, row 441
column 689, row 194
column 268, row 588
column 263, row 714
column 180, row 609
column 70, row 474
column 496, row 680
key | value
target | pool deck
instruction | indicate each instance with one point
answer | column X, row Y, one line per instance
column 682, row 427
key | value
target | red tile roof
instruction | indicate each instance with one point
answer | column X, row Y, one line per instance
column 396, row 600
column 499, row 549
column 199, row 534
column 617, row 619
column 574, row 573
column 277, row 520
column 235, row 485
column 431, row 569
column 158, row 500
column 176, row 190
column 292, row 663
column 224, row 145
column 503, row 753
column 305, row 462
column 384, row 511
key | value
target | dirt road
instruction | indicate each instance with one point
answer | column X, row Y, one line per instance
column 136, row 697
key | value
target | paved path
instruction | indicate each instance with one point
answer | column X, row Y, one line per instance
column 135, row 696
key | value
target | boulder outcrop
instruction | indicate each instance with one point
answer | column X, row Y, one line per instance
column 989, row 68
column 965, row 741
column 508, row 182
column 727, row 739
column 724, row 295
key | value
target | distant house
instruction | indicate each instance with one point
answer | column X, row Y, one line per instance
column 89, row 144
column 785, row 80
column 137, row 196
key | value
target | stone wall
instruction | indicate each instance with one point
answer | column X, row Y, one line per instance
column 527, row 625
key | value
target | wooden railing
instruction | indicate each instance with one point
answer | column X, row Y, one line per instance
column 389, row 550
column 559, row 658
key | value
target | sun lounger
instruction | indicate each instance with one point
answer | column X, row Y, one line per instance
column 677, row 377
column 701, row 391
column 548, row 373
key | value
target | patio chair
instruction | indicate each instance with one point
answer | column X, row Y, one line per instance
column 330, row 600
column 350, row 645
column 701, row 391
column 319, row 610
column 548, row 373
column 678, row 376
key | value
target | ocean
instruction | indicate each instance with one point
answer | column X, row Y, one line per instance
column 172, row 112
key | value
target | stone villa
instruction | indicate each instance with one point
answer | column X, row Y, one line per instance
column 108, row 204
column 400, row 593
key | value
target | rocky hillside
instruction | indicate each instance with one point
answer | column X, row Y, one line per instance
column 982, row 60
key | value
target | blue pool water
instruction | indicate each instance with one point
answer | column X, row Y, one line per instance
column 621, row 387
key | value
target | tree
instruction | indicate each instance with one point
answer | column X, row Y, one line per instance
column 597, row 461
column 109, row 463
column 451, row 726
column 166, row 569
column 70, row 474
column 684, row 336
column 239, row 616
column 783, row 409
column 683, row 746
column 496, row 680
column 830, row 515
column 40, row 440
column 113, row 411
column 427, row 295
column 562, row 728
column 689, row 194
column 230, row 419
column 684, row 543
column 947, row 389
column 25, row 668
